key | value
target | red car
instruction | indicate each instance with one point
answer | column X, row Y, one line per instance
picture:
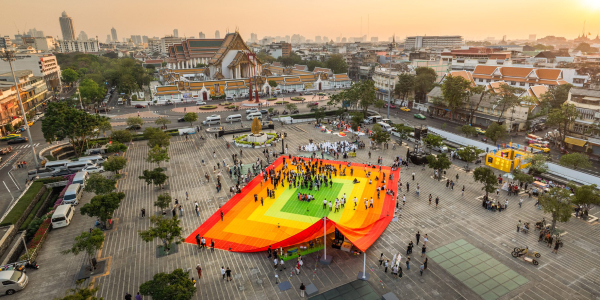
column 140, row 106
column 391, row 106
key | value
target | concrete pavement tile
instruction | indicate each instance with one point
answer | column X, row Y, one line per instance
column 480, row 289
column 476, row 252
column 465, row 265
column 501, row 268
column 442, row 249
column 481, row 277
column 501, row 278
column 474, row 261
column 462, row 276
column 447, row 265
column 466, row 256
column 473, row 271
column 457, row 260
column 482, row 267
column 489, row 296
column 484, row 256
column 520, row 280
column 454, row 270
column 459, row 251
column 510, row 274
column 491, row 283
column 492, row 262
column 500, row 291
column 452, row 246
column 471, row 283
column 468, row 247
column 491, row 272
column 461, row 242
column 511, row 285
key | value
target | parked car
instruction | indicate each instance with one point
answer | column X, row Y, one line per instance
column 64, row 172
column 404, row 108
column 140, row 106
column 13, row 281
column 264, row 111
column 420, row 116
column 181, row 120
column 540, row 147
column 18, row 140
column 479, row 130
column 391, row 105
column 251, row 110
column 134, row 127
column 103, row 109
column 200, row 103
column 229, row 98
column 10, row 136
column 93, row 169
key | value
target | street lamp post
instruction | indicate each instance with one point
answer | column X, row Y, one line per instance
column 10, row 56
column 389, row 84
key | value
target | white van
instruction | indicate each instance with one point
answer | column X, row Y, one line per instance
column 57, row 165
column 234, row 118
column 12, row 281
column 373, row 119
column 81, row 177
column 40, row 173
column 385, row 126
column 62, row 216
column 79, row 165
column 253, row 115
column 73, row 194
column 213, row 119
column 120, row 101
column 97, row 159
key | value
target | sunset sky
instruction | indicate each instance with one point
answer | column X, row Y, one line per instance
column 469, row 18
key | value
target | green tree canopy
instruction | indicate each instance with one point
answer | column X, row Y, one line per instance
column 467, row 130
column 563, row 117
column 556, row 96
column 405, row 85
column 356, row 119
column 337, row 64
column 273, row 83
column 424, row 82
column 115, row 164
column 539, row 164
column 169, row 286
column 575, row 160
column 157, row 155
column 168, row 230
column 509, row 98
column 156, row 176
column 496, row 132
column 586, row 196
column 486, row 177
column 91, row 91
column 190, row 117
column 99, row 184
column 319, row 114
column 65, row 122
column 439, row 162
column 469, row 153
column 157, row 137
column 585, row 47
column 433, row 140
column 134, row 121
column 455, row 91
column 103, row 206
column 473, row 105
column 121, row 136
column 163, row 201
column 88, row 242
column 69, row 75
column 380, row 135
column 162, row 121
column 557, row 202
column 81, row 293
column 522, row 177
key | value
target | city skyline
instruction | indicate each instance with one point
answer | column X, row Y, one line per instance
column 467, row 21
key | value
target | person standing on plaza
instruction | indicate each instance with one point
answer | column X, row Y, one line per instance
column 138, row 296
column 143, row 212
column 202, row 243
column 228, row 272
column 281, row 264
column 403, row 200
column 425, row 263
column 429, row 201
column 212, row 245
column 223, row 272
column 381, row 260
column 407, row 187
column 199, row 270
column 302, row 289
column 386, row 265
column 221, row 216
column 198, row 242
column 556, row 245
column 275, row 263
column 421, row 268
column 408, row 263
column 463, row 190
column 437, row 201
column 425, row 239
column 423, row 250
column 413, row 176
column 418, row 236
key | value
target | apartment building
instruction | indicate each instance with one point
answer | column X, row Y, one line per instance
column 469, row 58
column 418, row 42
column 40, row 64
column 33, row 91
column 66, row 46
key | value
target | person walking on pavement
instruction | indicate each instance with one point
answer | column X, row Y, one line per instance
column 302, row 289
column 429, row 199
column 437, row 201
column 199, row 270
column 518, row 225
column 198, row 242
column 418, row 236
column 228, row 272
column 381, row 260
column 138, row 296
column 423, row 250
column 223, row 272
column 212, row 246
column 386, row 265
column 421, row 268
column 408, row 263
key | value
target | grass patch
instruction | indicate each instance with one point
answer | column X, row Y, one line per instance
column 49, row 158
column 225, row 103
column 282, row 102
column 21, row 206
column 271, row 99
column 230, row 106
column 207, row 107
column 297, row 98
column 34, row 210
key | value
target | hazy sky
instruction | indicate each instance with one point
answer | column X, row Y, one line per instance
column 473, row 19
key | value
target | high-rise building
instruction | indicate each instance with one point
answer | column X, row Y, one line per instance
column 35, row 33
column 5, row 42
column 175, row 33
column 82, row 36
column 374, row 39
column 418, row 42
column 108, row 39
column 201, row 35
column 145, row 39
column 253, row 37
column 217, row 35
column 78, row 46
column 318, row 39
column 532, row 37
column 66, row 26
column 325, row 39
column 343, row 40
column 338, row 39
column 113, row 33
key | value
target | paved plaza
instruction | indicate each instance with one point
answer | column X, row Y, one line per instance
column 469, row 248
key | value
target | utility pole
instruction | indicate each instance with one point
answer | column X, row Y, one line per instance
column 389, row 84
column 10, row 56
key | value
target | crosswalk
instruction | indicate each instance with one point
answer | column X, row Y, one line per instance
column 24, row 146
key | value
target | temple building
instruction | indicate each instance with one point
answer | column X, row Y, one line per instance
column 206, row 68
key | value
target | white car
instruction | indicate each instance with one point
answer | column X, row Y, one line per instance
column 228, row 98
column 200, row 103
column 252, row 110
column 93, row 169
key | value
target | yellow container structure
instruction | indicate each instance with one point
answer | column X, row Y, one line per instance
column 508, row 159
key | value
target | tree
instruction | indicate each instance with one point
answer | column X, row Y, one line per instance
column 405, row 84
column 99, row 184
column 509, row 98
column 131, row 121
column 273, row 83
column 538, row 164
column 157, row 155
column 291, row 107
column 121, row 136
column 312, row 64
column 585, row 47
column 495, row 132
column 380, row 135
column 163, row 201
column 356, row 119
column 103, row 125
column 190, row 117
column 557, row 202
column 264, row 57
column 88, row 242
column 81, row 293
column 168, row 230
column 455, row 91
column 556, row 96
column 467, row 130
column 337, row 64
column 157, row 137
column 439, row 162
column 424, row 82
column 65, row 122
column 162, row 121
column 156, row 176
column 319, row 114
column 174, row 286
column 469, row 154
column 575, row 160
column 379, row 104
column 486, row 177
column 69, row 76
column 103, row 206
column 116, row 147
column 585, row 196
column 365, row 91
column 522, row 177
column 563, row 117
column 432, row 140
column 91, row 91
column 483, row 93
column 115, row 164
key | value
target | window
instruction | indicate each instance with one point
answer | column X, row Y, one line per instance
column 521, row 83
column 488, row 80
